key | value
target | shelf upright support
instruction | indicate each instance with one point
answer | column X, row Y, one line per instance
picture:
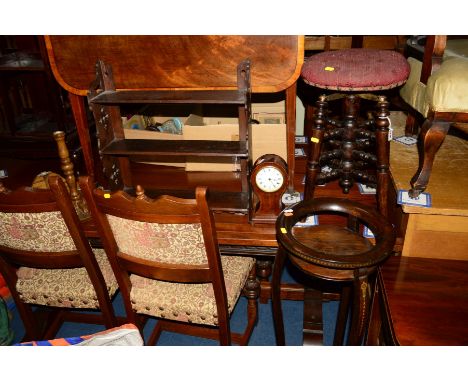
column 243, row 84
column 109, row 128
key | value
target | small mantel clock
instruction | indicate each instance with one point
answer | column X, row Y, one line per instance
column 269, row 180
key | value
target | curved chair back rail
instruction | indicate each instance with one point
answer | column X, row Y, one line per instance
column 382, row 230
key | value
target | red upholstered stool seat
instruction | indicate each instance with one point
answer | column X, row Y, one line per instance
column 353, row 148
column 356, row 70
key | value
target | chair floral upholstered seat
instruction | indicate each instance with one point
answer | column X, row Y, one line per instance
column 68, row 288
column 165, row 254
column 193, row 303
column 47, row 261
column 179, row 244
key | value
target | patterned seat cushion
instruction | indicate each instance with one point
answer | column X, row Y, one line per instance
column 356, row 70
column 69, row 288
column 193, row 303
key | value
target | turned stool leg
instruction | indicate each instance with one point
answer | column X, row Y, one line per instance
column 315, row 148
column 383, row 154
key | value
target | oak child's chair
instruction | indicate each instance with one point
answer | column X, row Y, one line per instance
column 437, row 92
column 165, row 254
column 48, row 263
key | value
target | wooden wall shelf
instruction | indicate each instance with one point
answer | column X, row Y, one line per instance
column 148, row 148
column 233, row 97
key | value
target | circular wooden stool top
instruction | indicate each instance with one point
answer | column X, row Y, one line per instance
column 331, row 240
column 356, row 70
column 331, row 247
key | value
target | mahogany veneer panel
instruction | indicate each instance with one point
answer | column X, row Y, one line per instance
column 176, row 62
column 427, row 300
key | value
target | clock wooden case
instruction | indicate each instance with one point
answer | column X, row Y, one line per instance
column 269, row 181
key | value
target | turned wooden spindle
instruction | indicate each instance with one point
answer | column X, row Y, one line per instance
column 140, row 192
column 66, row 165
column 351, row 105
column 67, row 168
column 382, row 123
column 315, row 147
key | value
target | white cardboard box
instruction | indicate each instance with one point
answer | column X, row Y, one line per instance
column 264, row 139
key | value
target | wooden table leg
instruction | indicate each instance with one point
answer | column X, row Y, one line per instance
column 81, row 121
column 276, row 297
column 313, row 318
column 342, row 317
column 291, row 132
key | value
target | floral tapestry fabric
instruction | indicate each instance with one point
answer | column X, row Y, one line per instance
column 39, row 232
column 194, row 303
column 168, row 243
column 71, row 288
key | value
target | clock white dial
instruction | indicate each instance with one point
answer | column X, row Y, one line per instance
column 269, row 179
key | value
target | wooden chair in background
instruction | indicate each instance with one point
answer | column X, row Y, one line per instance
column 47, row 261
column 437, row 94
column 166, row 258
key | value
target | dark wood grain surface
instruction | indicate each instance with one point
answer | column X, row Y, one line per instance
column 427, row 300
column 176, row 62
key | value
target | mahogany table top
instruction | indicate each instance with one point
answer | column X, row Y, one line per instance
column 427, row 300
column 176, row 62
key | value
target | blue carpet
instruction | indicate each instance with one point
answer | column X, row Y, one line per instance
column 263, row 333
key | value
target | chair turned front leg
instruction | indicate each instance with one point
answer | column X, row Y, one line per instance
column 431, row 138
column 251, row 292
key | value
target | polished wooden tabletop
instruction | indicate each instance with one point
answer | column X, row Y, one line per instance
column 176, row 62
column 427, row 300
